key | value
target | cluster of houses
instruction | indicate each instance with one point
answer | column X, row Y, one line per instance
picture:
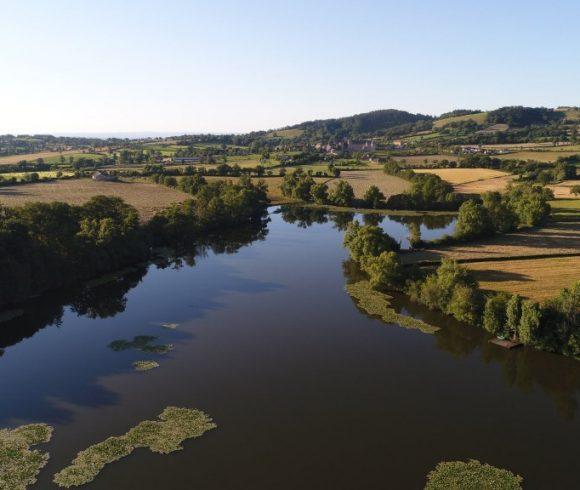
column 367, row 146
column 473, row 149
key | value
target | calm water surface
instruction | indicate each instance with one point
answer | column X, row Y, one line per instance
column 307, row 390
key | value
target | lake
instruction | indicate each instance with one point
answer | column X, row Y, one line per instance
column 308, row 391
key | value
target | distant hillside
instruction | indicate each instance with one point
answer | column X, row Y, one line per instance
column 360, row 124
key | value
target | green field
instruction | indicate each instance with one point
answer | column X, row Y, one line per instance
column 286, row 133
column 479, row 118
column 420, row 137
column 572, row 114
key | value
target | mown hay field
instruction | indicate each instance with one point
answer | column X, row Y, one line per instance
column 273, row 183
column 557, row 238
column 496, row 184
column 361, row 180
column 537, row 279
column 563, row 190
column 47, row 156
column 147, row 197
column 548, row 156
column 463, row 175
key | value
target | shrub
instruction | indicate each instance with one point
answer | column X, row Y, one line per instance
column 529, row 322
column 513, row 314
column 319, row 193
column 465, row 303
column 473, row 221
column 384, row 270
column 373, row 197
column 529, row 203
column 342, row 194
column 362, row 241
column 494, row 313
column 502, row 217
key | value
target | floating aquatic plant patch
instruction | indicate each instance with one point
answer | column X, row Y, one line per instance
column 472, row 474
column 170, row 326
column 19, row 465
column 379, row 304
column 143, row 343
column 145, row 365
column 164, row 436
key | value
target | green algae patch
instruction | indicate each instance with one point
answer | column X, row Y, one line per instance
column 145, row 365
column 375, row 303
column 162, row 436
column 19, row 465
column 143, row 343
column 458, row 475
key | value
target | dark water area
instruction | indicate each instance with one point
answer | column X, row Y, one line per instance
column 307, row 390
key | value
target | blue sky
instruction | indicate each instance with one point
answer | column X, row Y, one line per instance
column 234, row 66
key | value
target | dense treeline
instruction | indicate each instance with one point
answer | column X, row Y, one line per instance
column 360, row 124
column 553, row 326
column 523, row 205
column 45, row 246
column 301, row 185
column 520, row 116
column 563, row 169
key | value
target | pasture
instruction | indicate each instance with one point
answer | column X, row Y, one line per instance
column 147, row 197
column 286, row 133
column 537, row 279
column 479, row 118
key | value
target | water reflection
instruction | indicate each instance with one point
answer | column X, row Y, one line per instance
column 67, row 367
column 525, row 369
column 406, row 229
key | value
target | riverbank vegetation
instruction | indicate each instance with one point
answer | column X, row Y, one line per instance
column 19, row 465
column 553, row 326
column 164, row 436
column 376, row 303
column 45, row 246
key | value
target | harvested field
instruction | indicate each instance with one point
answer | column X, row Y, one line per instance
column 463, row 175
column 563, row 189
column 547, row 156
column 537, row 279
column 480, row 186
column 147, row 197
column 361, row 180
column 45, row 155
column 556, row 239
column 273, row 183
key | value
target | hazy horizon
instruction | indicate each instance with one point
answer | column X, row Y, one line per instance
column 224, row 67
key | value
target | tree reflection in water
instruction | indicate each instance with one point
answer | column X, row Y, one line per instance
column 109, row 299
column 525, row 369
